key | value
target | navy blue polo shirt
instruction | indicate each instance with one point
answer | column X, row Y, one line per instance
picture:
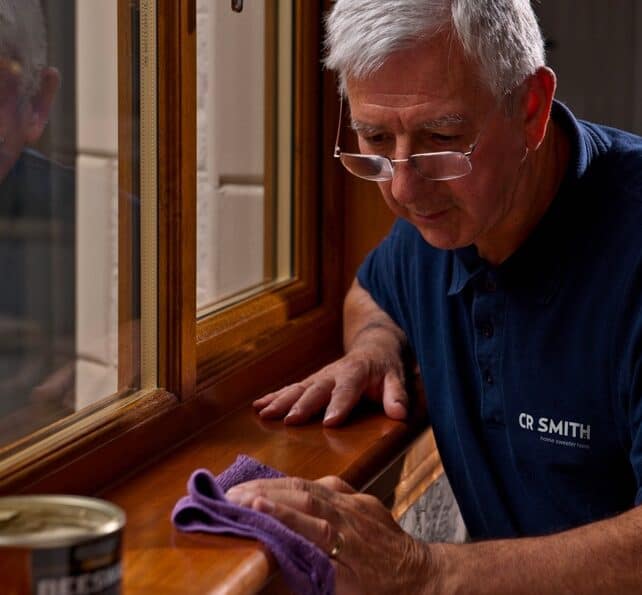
column 532, row 369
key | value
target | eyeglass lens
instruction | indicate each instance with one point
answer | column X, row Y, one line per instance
column 435, row 166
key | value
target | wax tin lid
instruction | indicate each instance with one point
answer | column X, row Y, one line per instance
column 56, row 520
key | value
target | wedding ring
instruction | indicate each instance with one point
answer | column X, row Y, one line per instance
column 338, row 546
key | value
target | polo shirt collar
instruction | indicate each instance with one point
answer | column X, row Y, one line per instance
column 466, row 266
column 536, row 268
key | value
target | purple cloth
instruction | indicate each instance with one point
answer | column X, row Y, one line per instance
column 306, row 569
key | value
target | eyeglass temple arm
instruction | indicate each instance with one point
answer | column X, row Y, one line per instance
column 337, row 150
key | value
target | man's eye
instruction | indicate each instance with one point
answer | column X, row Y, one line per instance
column 445, row 139
column 375, row 139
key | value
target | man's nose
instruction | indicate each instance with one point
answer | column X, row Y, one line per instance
column 408, row 185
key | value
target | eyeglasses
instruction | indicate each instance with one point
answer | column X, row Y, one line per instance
column 436, row 166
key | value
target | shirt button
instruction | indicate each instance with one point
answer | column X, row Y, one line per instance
column 487, row 330
column 490, row 284
column 488, row 377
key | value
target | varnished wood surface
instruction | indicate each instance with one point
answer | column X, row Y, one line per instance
column 128, row 194
column 159, row 559
column 177, row 196
column 317, row 226
column 421, row 468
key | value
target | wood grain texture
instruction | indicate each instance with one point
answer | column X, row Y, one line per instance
column 421, row 468
column 116, row 445
column 270, row 144
column 232, row 371
column 177, row 196
column 157, row 558
column 128, row 193
column 312, row 298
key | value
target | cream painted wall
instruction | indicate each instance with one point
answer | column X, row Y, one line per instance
column 230, row 172
column 230, row 105
column 96, row 200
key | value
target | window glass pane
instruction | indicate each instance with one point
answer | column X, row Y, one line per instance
column 244, row 207
column 69, row 302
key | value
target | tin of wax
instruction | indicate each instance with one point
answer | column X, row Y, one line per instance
column 58, row 544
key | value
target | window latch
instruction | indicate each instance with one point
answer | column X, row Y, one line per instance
column 237, row 5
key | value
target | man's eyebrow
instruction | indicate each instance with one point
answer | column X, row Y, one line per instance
column 445, row 121
column 364, row 129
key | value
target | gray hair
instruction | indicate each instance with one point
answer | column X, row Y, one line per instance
column 23, row 39
column 502, row 36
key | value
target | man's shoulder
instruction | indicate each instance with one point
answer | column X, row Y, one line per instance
column 606, row 159
column 611, row 138
column 617, row 162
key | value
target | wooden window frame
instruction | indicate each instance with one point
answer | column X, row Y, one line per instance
column 280, row 334
column 275, row 319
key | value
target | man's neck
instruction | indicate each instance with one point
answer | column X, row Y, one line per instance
column 538, row 183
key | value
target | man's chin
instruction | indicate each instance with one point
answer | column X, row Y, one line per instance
column 442, row 239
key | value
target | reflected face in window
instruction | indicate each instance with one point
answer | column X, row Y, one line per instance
column 23, row 115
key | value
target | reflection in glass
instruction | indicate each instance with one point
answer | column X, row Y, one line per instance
column 60, row 208
column 244, row 91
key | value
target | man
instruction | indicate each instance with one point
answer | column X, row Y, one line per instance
column 514, row 276
column 37, row 255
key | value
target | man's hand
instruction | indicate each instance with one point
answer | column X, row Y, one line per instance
column 371, row 552
column 372, row 366
column 372, row 555
column 338, row 387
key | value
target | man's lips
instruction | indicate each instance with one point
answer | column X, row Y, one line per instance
column 434, row 216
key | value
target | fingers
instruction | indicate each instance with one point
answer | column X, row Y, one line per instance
column 346, row 394
column 326, row 498
column 355, row 530
column 277, row 404
column 337, row 387
column 327, row 537
column 307, row 507
column 296, row 403
column 317, row 530
column 395, row 397
column 336, row 484
column 312, row 400
column 287, row 484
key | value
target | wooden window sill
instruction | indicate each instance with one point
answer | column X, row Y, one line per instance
column 368, row 453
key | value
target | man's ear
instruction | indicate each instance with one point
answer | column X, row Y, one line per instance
column 41, row 102
column 536, row 105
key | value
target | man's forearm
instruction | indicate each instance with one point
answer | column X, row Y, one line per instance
column 366, row 324
column 602, row 557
